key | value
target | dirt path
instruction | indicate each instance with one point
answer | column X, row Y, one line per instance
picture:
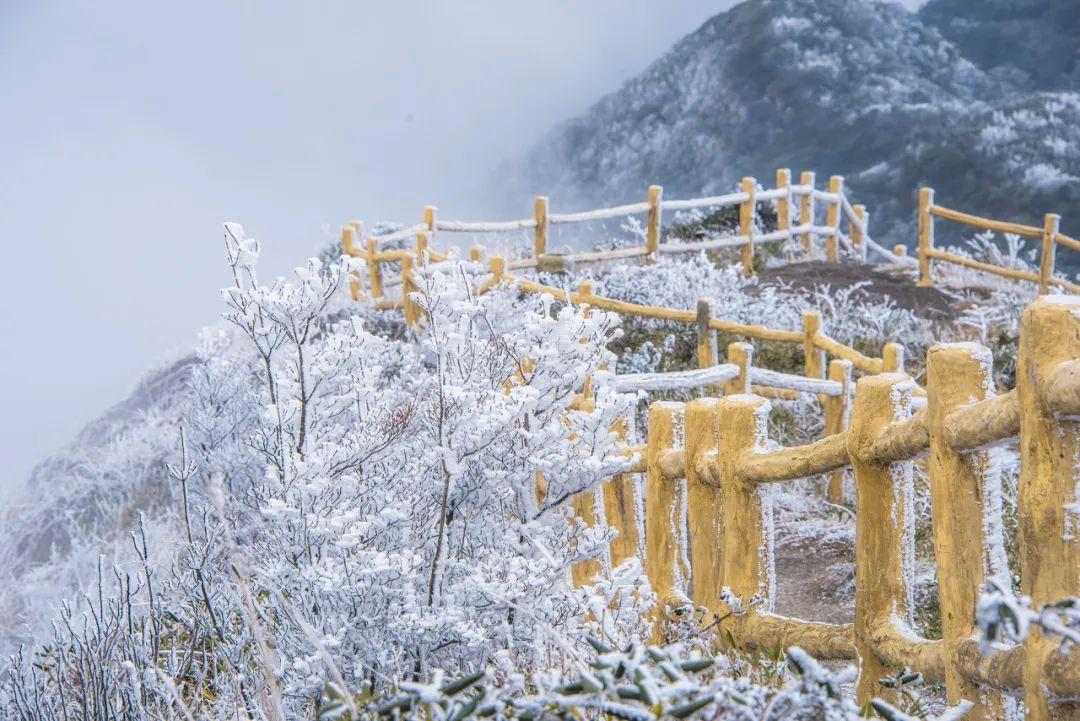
column 880, row 282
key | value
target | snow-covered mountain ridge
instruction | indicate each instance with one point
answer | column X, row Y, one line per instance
column 850, row 87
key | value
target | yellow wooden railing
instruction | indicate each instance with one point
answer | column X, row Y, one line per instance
column 718, row 472
column 711, row 456
column 804, row 197
column 1049, row 235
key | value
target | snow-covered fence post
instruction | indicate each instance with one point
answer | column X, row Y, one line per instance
column 747, row 213
column 409, row 308
column 892, row 358
column 963, row 495
column 707, row 352
column 1051, row 224
column 665, row 542
column 706, row 337
column 540, row 235
column 857, row 230
column 585, row 292
column 620, row 510
column 349, row 234
column 813, row 357
column 374, row 270
column 926, row 236
column 429, row 221
column 705, row 514
column 421, row 247
column 497, row 268
column 747, row 548
column 883, row 534
column 583, row 573
column 832, row 219
column 806, row 209
column 652, row 227
column 783, row 205
column 742, row 355
column 1048, row 487
column 836, row 417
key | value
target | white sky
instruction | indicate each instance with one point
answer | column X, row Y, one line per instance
column 129, row 130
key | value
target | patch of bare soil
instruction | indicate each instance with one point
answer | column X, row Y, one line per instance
column 815, row 575
column 878, row 282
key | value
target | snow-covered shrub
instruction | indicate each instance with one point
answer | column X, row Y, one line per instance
column 341, row 495
column 636, row 683
column 1004, row 618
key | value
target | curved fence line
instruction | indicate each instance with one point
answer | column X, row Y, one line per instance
column 785, row 194
column 710, row 457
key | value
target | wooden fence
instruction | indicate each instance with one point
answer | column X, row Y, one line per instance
column 797, row 209
column 710, row 457
column 1049, row 235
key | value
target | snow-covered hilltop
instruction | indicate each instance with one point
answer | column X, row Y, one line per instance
column 851, row 87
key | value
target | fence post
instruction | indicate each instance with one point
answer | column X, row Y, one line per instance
column 837, row 409
column 806, row 209
column 707, row 353
column 429, row 220
column 584, row 573
column 1049, row 447
column 926, row 236
column 620, row 510
column 665, row 548
column 409, row 308
column 1051, row 223
column 747, row 548
column 348, row 249
column 747, row 211
column 892, row 358
column 883, row 540
column 652, row 229
column 783, row 205
column 540, row 213
column 858, row 233
column 497, row 268
column 421, row 247
column 960, row 491
column 706, row 337
column 832, row 219
column 705, row 511
column 742, row 355
column 814, row 359
column 374, row 270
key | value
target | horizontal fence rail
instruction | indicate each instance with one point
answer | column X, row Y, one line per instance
column 708, row 529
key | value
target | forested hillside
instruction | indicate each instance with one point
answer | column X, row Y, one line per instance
column 857, row 88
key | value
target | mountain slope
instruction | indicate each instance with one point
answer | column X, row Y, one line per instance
column 850, row 87
column 1032, row 42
